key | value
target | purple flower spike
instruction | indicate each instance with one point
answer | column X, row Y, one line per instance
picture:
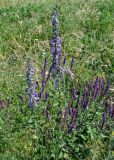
column 96, row 81
column 55, row 41
column 31, row 90
column 96, row 88
column 74, row 114
column 29, row 73
column 49, row 72
column 107, row 88
column 96, row 92
column 84, row 102
column 104, row 103
column 104, row 119
column 71, row 127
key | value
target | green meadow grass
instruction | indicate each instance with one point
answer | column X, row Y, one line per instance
column 87, row 33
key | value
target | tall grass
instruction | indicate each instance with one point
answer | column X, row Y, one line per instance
column 86, row 30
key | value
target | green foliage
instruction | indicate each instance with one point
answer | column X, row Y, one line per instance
column 87, row 34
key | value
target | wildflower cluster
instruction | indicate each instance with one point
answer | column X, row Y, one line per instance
column 31, row 90
column 67, row 108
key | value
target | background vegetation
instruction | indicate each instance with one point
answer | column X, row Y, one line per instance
column 87, row 33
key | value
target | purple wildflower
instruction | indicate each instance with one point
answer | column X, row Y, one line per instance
column 55, row 41
column 85, row 99
column 31, row 90
column 58, row 50
column 35, row 97
column 55, row 23
column 104, row 119
column 96, row 92
column 29, row 73
column 74, row 114
column 107, row 88
column 101, row 85
column 85, row 103
column 49, row 72
column 104, row 103
column 96, row 88
column 71, row 127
